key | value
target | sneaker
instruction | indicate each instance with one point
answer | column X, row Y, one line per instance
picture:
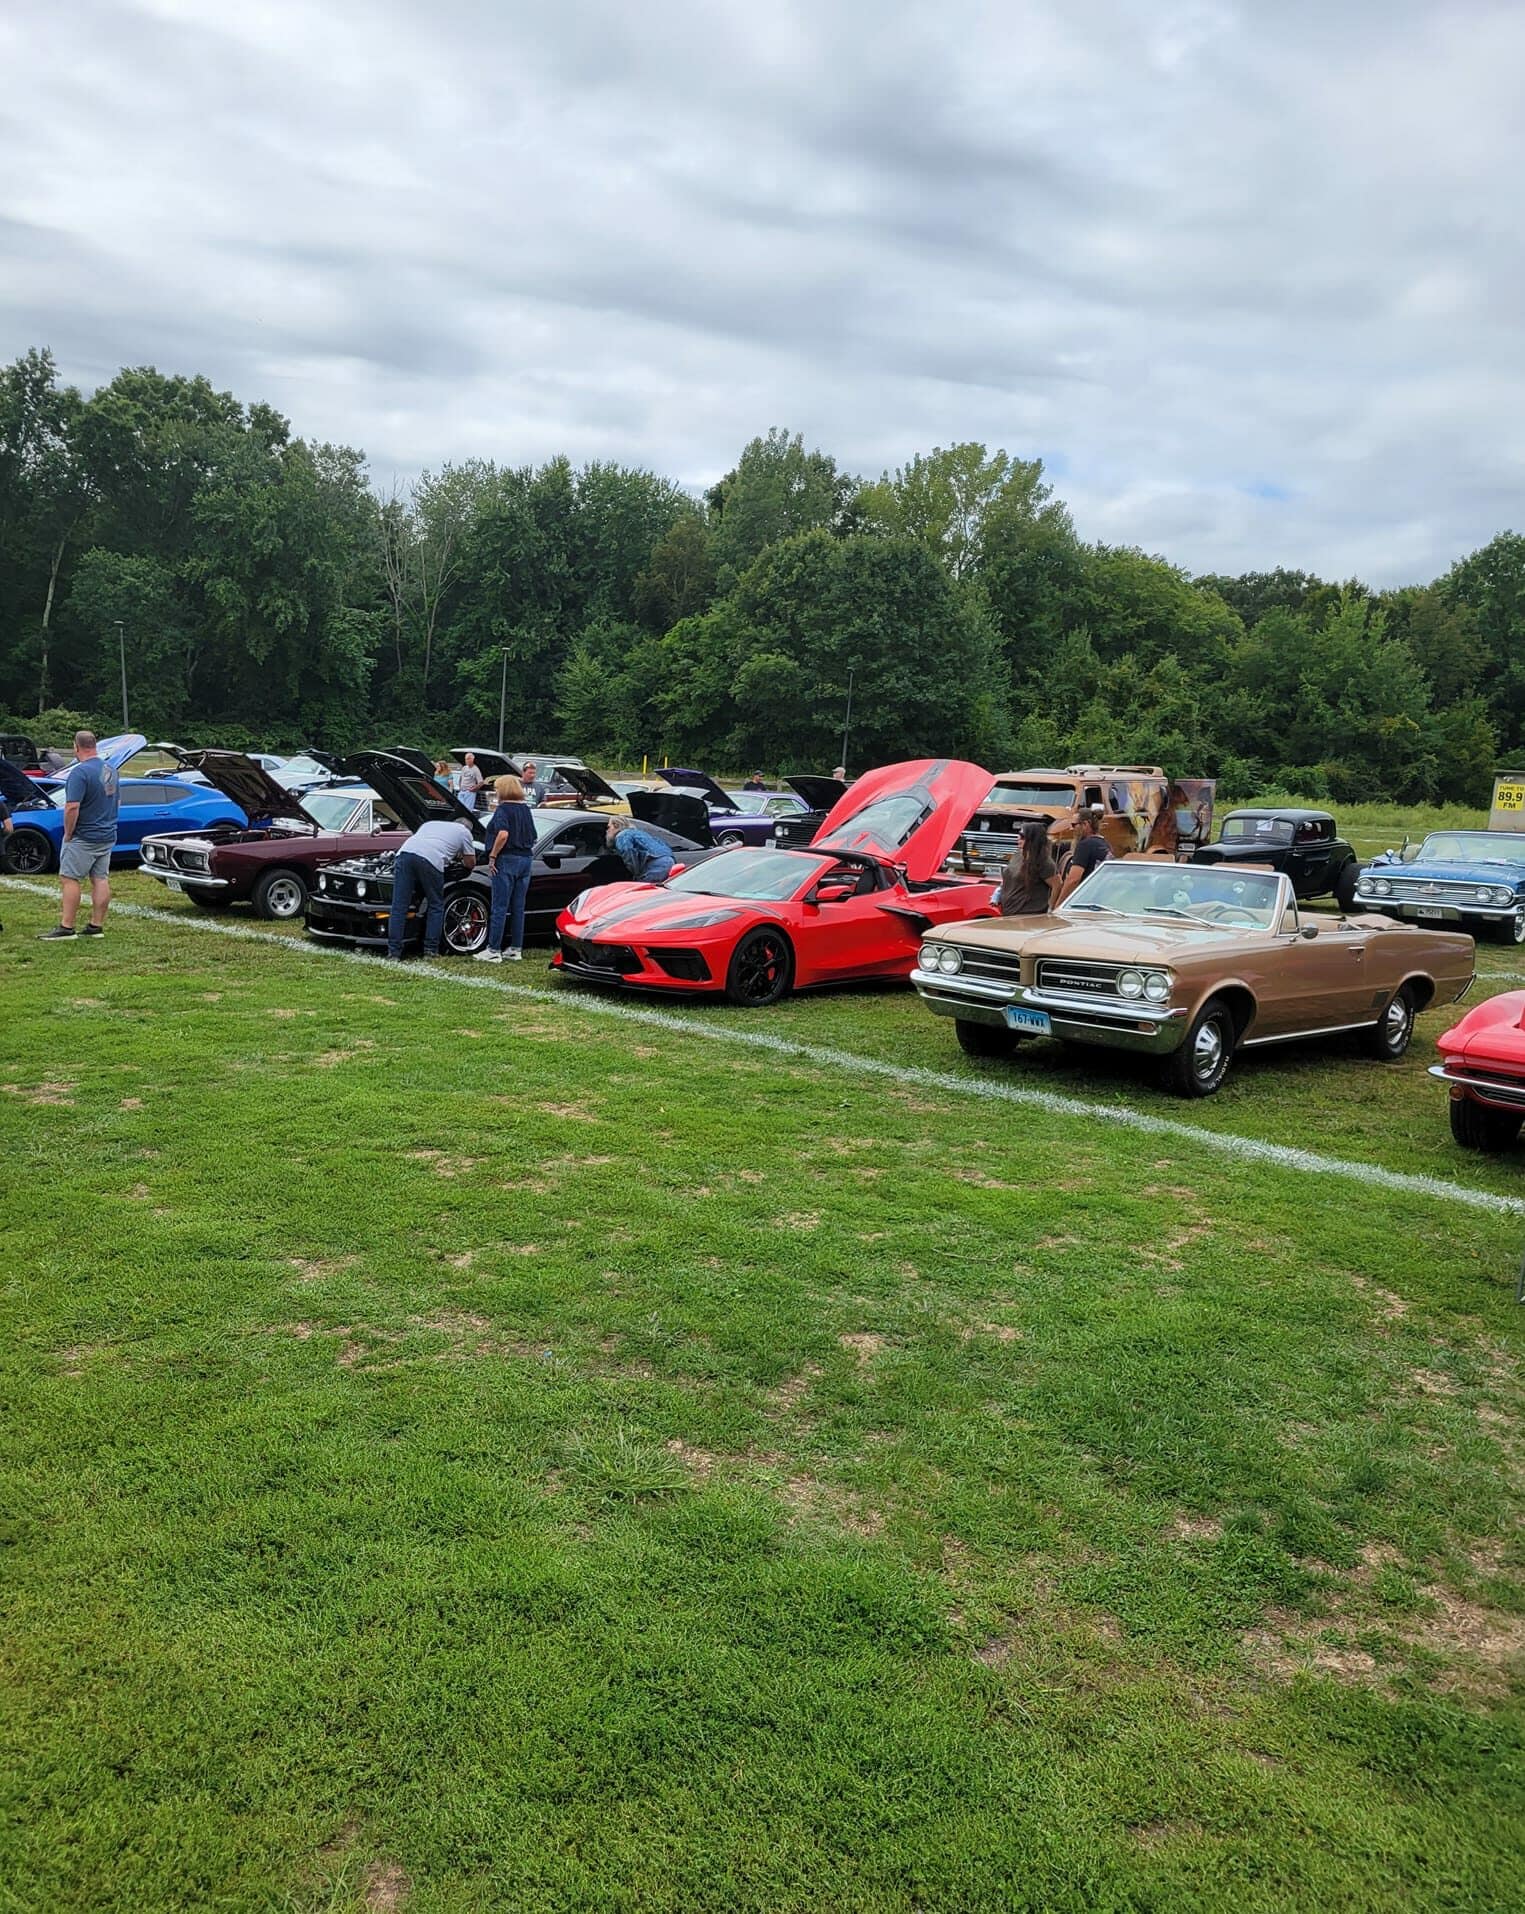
column 515, row 956
column 489, row 956
column 49, row 936
column 93, row 930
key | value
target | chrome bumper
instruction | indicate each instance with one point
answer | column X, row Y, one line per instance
column 1509, row 1096
column 1112, row 1022
column 201, row 879
column 1447, row 910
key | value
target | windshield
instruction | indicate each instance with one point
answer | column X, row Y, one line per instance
column 1028, row 796
column 886, row 823
column 1202, row 893
column 296, row 770
column 759, row 876
column 330, row 810
column 1256, row 830
column 1473, row 847
column 748, row 800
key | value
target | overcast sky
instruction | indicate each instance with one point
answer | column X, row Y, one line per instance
column 1247, row 277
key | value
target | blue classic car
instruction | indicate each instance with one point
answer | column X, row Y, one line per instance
column 148, row 806
column 1473, row 880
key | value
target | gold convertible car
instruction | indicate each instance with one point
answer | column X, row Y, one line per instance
column 1189, row 964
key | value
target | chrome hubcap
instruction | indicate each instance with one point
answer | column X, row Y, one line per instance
column 284, row 897
column 465, row 925
column 1397, row 1021
column 1207, row 1051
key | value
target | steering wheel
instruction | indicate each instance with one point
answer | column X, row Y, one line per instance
column 1224, row 913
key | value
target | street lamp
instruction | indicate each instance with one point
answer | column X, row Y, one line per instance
column 502, row 697
column 847, row 722
column 121, row 646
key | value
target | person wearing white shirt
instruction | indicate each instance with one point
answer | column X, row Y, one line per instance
column 420, row 866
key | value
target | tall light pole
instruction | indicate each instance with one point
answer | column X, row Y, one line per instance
column 502, row 697
column 847, row 722
column 121, row 647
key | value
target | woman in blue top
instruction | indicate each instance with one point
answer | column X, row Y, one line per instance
column 510, row 855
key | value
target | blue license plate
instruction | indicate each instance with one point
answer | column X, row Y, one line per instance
column 1033, row 1023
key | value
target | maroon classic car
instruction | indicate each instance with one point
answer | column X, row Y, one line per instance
column 271, row 864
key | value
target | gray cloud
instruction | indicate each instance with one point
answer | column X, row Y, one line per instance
column 1249, row 278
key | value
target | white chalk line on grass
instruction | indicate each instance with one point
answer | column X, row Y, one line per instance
column 1114, row 1115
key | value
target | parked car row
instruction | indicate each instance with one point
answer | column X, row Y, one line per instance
column 1182, row 947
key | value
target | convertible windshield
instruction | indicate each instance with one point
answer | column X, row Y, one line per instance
column 1033, row 795
column 330, row 810
column 1473, row 847
column 1204, row 895
column 757, row 876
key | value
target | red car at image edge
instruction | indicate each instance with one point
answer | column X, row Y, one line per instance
column 1483, row 1061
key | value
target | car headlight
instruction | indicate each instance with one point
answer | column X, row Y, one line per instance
column 1484, row 894
column 1157, row 985
column 1382, row 886
column 1130, row 984
column 949, row 961
column 1503, row 897
column 703, row 921
column 322, row 880
column 361, row 888
column 1366, row 885
column 929, row 956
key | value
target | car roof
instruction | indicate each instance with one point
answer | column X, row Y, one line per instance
column 1295, row 812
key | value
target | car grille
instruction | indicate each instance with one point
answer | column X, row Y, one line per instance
column 162, row 856
column 1423, row 890
column 344, row 889
column 1004, row 965
column 617, row 958
column 1080, row 979
column 987, row 847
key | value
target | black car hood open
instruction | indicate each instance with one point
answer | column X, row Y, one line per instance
column 420, row 760
column 819, row 792
column 492, row 764
column 411, row 795
column 677, row 811
column 250, row 785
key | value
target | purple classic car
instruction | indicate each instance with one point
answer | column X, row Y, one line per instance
column 735, row 817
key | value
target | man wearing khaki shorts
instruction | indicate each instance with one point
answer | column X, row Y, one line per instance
column 90, row 819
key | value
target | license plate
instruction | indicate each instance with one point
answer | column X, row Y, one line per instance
column 174, row 884
column 1034, row 1023
column 1428, row 910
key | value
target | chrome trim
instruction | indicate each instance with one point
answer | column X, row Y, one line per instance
column 198, row 878
column 1323, row 1030
column 1396, row 906
column 1124, row 1009
column 1507, row 1095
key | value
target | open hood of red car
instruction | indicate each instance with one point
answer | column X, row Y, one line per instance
column 909, row 814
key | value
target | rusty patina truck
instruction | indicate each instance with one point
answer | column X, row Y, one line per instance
column 1138, row 808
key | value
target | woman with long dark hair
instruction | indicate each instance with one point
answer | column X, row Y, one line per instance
column 1027, row 881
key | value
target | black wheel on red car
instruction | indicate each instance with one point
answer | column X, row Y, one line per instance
column 1389, row 1037
column 280, row 895
column 467, row 916
column 1476, row 1126
column 761, row 969
column 28, row 853
column 1198, row 1068
column 984, row 1039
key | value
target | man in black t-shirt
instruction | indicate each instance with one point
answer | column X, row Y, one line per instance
column 1090, row 850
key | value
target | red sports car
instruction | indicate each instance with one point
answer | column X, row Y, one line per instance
column 756, row 924
column 1484, row 1063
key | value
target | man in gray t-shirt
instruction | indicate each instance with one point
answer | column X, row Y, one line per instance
column 420, row 866
column 90, row 814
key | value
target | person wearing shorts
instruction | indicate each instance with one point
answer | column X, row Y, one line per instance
column 90, row 820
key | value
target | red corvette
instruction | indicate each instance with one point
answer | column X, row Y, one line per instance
column 1484, row 1063
column 756, row 924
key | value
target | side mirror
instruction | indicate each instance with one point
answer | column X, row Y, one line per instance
column 1308, row 930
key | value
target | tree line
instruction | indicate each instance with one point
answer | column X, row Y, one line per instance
column 264, row 592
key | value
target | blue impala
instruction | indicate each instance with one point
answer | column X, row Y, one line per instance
column 1472, row 879
column 147, row 805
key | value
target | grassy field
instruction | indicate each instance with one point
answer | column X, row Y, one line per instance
column 470, row 1452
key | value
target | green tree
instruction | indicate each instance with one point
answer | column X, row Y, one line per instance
column 776, row 491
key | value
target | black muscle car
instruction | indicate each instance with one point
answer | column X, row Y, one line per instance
column 1304, row 844
column 352, row 900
